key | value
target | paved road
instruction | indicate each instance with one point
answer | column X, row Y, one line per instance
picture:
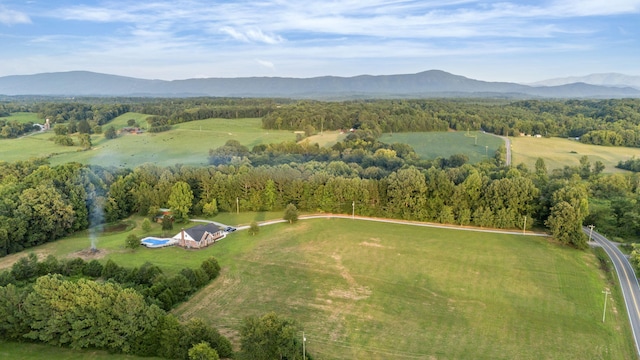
column 628, row 282
column 507, row 145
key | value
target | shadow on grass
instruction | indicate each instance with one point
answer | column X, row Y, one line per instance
column 260, row 216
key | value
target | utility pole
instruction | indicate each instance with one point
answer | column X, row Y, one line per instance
column 604, row 311
column 590, row 231
column 237, row 205
column 353, row 211
column 524, row 228
column 486, row 151
column 304, row 353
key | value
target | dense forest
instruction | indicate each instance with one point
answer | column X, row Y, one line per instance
column 80, row 304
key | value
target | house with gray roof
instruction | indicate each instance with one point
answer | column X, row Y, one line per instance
column 200, row 236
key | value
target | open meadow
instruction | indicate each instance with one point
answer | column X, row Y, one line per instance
column 430, row 145
column 327, row 138
column 560, row 152
column 24, row 117
column 379, row 291
column 187, row 143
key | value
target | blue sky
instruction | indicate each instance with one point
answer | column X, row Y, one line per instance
column 520, row 41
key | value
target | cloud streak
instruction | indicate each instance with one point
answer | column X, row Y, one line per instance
column 12, row 17
column 181, row 38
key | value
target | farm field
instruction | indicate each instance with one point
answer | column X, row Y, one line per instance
column 430, row 145
column 187, row 143
column 560, row 152
column 24, row 117
column 411, row 293
column 327, row 138
column 416, row 293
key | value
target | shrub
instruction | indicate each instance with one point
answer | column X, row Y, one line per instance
column 132, row 242
column 146, row 225
column 93, row 269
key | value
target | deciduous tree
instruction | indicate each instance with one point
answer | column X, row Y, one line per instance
column 180, row 200
column 291, row 213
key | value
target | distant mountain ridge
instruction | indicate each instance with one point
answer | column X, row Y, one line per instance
column 432, row 83
column 605, row 79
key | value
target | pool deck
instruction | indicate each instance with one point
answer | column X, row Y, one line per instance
column 169, row 242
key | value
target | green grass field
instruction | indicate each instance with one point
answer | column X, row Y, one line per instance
column 327, row 138
column 26, row 351
column 111, row 244
column 430, row 145
column 24, row 117
column 416, row 293
column 559, row 152
column 410, row 293
column 187, row 143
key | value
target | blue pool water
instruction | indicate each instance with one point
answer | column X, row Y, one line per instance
column 155, row 242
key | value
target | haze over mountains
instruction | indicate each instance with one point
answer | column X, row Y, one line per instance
column 432, row 83
column 607, row 79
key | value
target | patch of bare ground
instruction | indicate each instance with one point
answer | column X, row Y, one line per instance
column 89, row 254
column 376, row 245
column 8, row 261
column 213, row 298
column 344, row 305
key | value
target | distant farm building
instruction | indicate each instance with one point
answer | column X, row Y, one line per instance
column 200, row 236
column 162, row 212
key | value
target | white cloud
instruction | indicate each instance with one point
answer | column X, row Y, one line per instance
column 251, row 35
column 12, row 17
column 571, row 8
column 234, row 34
column 267, row 64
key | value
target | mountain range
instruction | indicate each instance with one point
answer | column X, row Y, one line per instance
column 432, row 83
column 606, row 79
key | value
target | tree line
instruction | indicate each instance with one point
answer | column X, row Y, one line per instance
column 601, row 122
column 60, row 303
column 41, row 203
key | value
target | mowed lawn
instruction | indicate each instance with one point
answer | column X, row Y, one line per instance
column 560, row 152
column 366, row 290
column 430, row 145
column 187, row 143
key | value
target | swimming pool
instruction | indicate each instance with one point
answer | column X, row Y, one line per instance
column 152, row 242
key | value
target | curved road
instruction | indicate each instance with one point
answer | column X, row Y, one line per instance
column 628, row 282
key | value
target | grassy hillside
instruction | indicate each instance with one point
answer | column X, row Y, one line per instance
column 186, row 143
column 430, row 145
column 560, row 152
column 24, row 117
